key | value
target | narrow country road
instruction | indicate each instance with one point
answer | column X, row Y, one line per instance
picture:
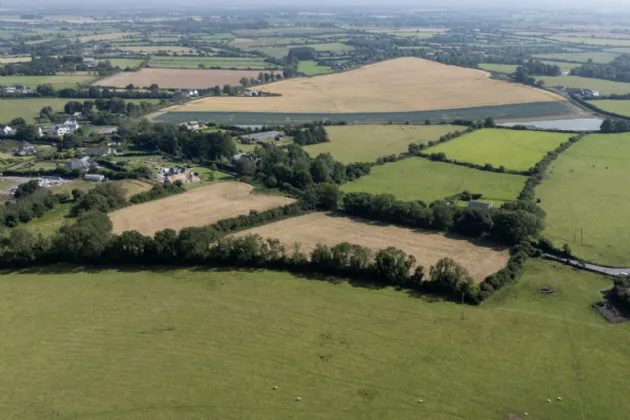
column 590, row 267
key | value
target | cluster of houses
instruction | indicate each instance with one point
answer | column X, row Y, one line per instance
column 15, row 90
column 586, row 93
column 250, row 93
column 191, row 125
column 69, row 126
column 177, row 173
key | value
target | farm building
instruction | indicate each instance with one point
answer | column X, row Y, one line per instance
column 240, row 156
column 265, row 135
column 94, row 177
column 26, row 149
column 82, row 164
column 8, row 131
column 191, row 125
column 479, row 205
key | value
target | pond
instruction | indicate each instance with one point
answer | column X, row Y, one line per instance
column 578, row 124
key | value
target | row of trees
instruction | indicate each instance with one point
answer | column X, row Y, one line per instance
column 310, row 134
column 618, row 69
column 511, row 224
column 31, row 202
column 93, row 92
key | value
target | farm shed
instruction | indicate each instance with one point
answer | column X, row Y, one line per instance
column 94, row 177
column 479, row 205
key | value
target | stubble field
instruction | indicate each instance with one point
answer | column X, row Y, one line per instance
column 400, row 85
column 178, row 78
column 198, row 207
column 427, row 247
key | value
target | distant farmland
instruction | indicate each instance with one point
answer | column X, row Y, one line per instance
column 427, row 247
column 176, row 78
column 223, row 62
column 400, row 85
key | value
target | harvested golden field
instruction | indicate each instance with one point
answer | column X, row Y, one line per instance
column 10, row 59
column 134, row 186
column 427, row 247
column 400, row 85
column 198, row 207
column 178, row 78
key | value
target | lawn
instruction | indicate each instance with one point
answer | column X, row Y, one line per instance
column 581, row 57
column 311, row 68
column 499, row 68
column 58, row 81
column 123, row 63
column 50, row 222
column 564, row 67
column 420, row 179
column 605, row 87
column 365, row 143
column 207, row 174
column 28, row 108
column 513, row 149
column 594, row 41
column 192, row 344
column 621, row 107
column 222, row 62
column 587, row 189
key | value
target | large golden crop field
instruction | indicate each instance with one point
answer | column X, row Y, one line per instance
column 198, row 207
column 427, row 247
column 400, row 85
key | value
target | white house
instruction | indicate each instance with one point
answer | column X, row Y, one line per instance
column 60, row 130
column 8, row 131
column 94, row 177
column 71, row 125
column 194, row 92
column 40, row 132
column 191, row 125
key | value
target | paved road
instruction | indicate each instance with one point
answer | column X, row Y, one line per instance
column 590, row 267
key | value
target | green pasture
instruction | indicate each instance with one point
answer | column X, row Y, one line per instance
column 86, row 343
column 365, row 143
column 330, row 46
column 276, row 52
column 51, row 221
column 580, row 57
column 621, row 107
column 421, row 179
column 58, row 81
column 512, row 149
column 498, row 68
column 605, row 87
column 564, row 67
column 207, row 174
column 593, row 41
column 287, row 31
column 123, row 63
column 224, row 62
column 586, row 188
column 29, row 108
column 312, row 69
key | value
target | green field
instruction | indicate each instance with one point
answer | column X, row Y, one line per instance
column 199, row 344
column 29, row 108
column 594, row 41
column 205, row 174
column 330, row 46
column 621, row 107
column 513, row 149
column 499, row 68
column 365, row 143
column 587, row 188
column 420, row 179
column 581, row 57
column 564, row 67
column 58, row 81
column 277, row 52
column 605, row 87
column 123, row 63
column 312, row 69
column 224, row 62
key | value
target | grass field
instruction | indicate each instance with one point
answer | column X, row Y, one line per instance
column 97, row 344
column 605, row 87
column 420, row 179
column 621, row 107
column 199, row 207
column 427, row 247
column 58, row 81
column 149, row 49
column 400, row 85
column 365, row 143
column 513, row 149
column 586, row 188
column 312, row 69
column 4, row 59
column 564, row 67
column 580, row 57
column 224, row 62
column 276, row 52
column 123, row 63
column 329, row 46
column 29, row 108
column 106, row 37
column 176, row 78
column 207, row 174
column 594, row 41
column 499, row 68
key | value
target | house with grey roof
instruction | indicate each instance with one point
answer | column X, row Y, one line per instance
column 480, row 205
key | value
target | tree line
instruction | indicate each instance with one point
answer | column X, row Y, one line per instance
column 31, row 202
column 617, row 70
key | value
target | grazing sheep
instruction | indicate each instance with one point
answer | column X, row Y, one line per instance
column 275, row 387
column 548, row 400
column 299, row 399
column 420, row 401
column 559, row 399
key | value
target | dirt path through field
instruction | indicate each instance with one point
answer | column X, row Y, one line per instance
column 427, row 247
